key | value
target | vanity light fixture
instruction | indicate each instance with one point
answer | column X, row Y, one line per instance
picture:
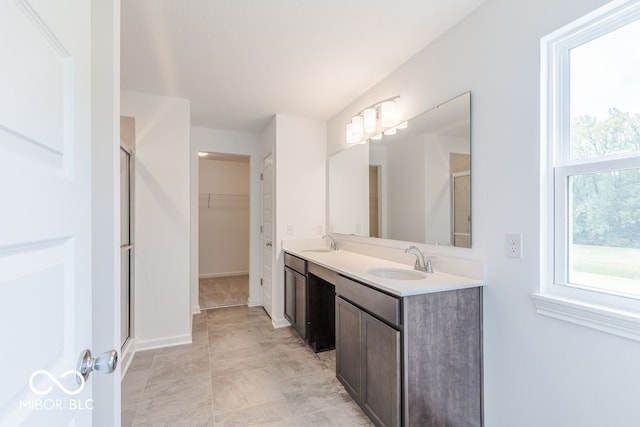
column 379, row 118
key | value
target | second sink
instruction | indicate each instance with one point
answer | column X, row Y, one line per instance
column 397, row 273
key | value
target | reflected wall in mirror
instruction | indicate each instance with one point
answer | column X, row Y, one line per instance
column 348, row 191
column 413, row 186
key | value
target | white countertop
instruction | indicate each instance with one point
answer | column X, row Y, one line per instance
column 356, row 266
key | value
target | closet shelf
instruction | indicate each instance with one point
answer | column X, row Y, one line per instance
column 226, row 199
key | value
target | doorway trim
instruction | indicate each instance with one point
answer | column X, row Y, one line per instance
column 232, row 143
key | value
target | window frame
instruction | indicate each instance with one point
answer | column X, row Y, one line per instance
column 606, row 311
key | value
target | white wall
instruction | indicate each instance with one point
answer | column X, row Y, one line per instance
column 300, row 190
column 162, row 211
column 238, row 143
column 223, row 222
column 538, row 371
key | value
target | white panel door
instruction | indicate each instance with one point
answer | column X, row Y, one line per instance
column 267, row 233
column 45, row 218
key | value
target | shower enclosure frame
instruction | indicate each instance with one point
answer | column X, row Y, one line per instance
column 129, row 247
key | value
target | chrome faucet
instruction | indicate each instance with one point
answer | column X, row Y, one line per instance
column 420, row 264
column 334, row 244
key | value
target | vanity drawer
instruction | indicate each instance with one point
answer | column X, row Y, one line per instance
column 379, row 304
column 323, row 273
column 295, row 263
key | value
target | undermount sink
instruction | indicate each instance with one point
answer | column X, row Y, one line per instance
column 397, row 273
column 317, row 250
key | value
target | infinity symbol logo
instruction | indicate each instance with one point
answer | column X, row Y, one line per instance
column 56, row 382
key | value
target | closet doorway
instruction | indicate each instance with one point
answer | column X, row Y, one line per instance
column 223, row 230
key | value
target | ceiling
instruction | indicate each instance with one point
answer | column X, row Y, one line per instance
column 241, row 61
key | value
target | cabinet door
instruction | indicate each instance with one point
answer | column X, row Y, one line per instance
column 301, row 305
column 381, row 371
column 348, row 347
column 289, row 295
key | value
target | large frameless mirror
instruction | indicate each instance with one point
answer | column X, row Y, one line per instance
column 412, row 186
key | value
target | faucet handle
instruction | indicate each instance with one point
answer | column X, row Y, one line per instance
column 430, row 261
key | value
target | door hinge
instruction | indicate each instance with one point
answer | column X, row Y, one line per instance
column 261, row 177
column 260, row 229
column 260, row 282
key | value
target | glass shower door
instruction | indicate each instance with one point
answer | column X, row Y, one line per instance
column 126, row 244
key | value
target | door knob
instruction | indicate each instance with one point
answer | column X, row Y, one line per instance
column 106, row 363
column 268, row 244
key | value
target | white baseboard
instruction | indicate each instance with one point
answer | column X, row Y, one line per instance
column 195, row 309
column 163, row 342
column 227, row 274
column 280, row 323
column 254, row 303
column 126, row 356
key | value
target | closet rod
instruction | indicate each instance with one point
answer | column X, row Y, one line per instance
column 225, row 196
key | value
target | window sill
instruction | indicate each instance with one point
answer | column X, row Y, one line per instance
column 606, row 319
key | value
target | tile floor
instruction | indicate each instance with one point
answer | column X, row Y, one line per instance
column 239, row 371
column 223, row 291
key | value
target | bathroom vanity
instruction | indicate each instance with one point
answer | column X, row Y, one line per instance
column 408, row 344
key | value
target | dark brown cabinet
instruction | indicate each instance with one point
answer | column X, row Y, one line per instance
column 368, row 362
column 380, row 371
column 348, row 347
column 443, row 358
column 295, row 294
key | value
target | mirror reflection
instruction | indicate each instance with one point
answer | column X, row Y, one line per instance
column 412, row 186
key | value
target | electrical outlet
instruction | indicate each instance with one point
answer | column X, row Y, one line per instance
column 513, row 245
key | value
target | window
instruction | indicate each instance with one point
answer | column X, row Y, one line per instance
column 590, row 111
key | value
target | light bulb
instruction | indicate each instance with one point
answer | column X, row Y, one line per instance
column 201, row 154
column 350, row 138
column 357, row 128
column 388, row 115
column 369, row 120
